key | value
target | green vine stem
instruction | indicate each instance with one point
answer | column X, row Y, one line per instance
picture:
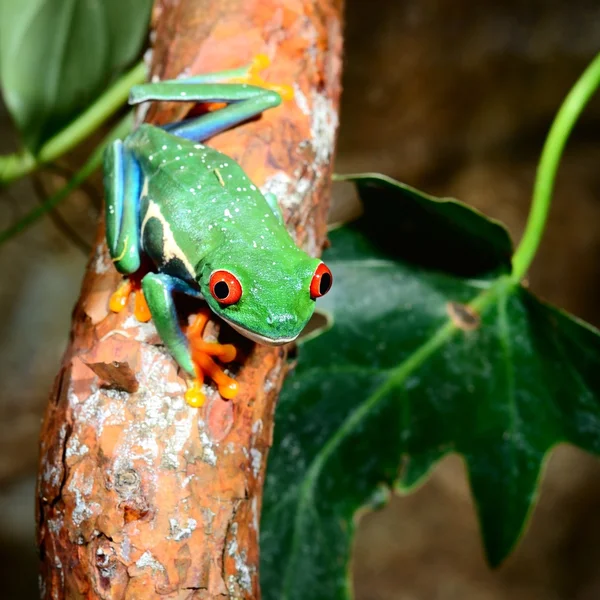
column 14, row 166
column 94, row 161
column 563, row 123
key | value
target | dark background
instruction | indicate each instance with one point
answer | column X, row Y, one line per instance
column 451, row 96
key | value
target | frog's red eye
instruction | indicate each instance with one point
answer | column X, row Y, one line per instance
column 225, row 287
column 321, row 281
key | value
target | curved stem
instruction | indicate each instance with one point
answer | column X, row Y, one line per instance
column 563, row 123
column 94, row 161
column 17, row 165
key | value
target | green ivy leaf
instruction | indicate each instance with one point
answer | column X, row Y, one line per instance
column 57, row 56
column 426, row 356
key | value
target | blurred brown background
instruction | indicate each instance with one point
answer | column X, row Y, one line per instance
column 451, row 96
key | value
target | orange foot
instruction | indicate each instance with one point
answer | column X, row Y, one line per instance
column 205, row 365
column 118, row 301
column 252, row 77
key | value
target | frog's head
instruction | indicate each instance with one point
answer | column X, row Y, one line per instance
column 268, row 300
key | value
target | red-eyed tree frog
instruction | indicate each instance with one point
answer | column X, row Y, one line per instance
column 206, row 229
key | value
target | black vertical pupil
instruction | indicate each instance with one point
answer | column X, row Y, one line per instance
column 325, row 283
column 221, row 290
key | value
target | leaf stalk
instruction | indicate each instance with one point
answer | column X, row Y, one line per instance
column 563, row 123
column 17, row 165
column 94, row 161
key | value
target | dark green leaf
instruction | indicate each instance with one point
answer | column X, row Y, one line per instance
column 418, row 363
column 436, row 233
column 57, row 56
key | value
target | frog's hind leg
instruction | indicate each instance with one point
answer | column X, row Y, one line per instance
column 122, row 184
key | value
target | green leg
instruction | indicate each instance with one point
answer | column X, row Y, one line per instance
column 244, row 102
column 158, row 291
column 122, row 183
column 224, row 76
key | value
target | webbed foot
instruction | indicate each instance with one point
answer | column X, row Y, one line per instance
column 252, row 77
column 118, row 300
column 202, row 352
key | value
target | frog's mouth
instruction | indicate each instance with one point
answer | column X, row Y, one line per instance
column 256, row 337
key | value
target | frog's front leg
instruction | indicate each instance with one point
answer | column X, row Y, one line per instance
column 191, row 352
column 243, row 91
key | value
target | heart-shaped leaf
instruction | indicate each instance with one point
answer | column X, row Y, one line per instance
column 57, row 56
column 427, row 355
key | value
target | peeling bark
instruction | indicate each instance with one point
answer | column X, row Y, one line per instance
column 139, row 495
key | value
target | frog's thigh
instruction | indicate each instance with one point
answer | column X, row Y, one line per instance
column 158, row 290
column 122, row 184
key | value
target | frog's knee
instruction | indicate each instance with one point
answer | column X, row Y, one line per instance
column 128, row 258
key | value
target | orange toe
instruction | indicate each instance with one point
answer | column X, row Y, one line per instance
column 253, row 77
column 118, row 300
column 259, row 62
column 202, row 353
column 141, row 310
column 194, row 396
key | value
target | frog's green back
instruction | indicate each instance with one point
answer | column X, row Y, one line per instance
column 205, row 197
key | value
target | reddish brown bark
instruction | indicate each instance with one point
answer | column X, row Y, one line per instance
column 140, row 495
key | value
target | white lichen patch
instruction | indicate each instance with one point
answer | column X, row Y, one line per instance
column 301, row 99
column 52, row 474
column 175, row 388
column 243, row 576
column 178, row 531
column 96, row 408
column 102, row 262
column 162, row 424
column 175, row 443
column 55, row 525
column 155, row 373
column 272, row 379
column 133, row 329
column 209, row 517
column 256, row 461
column 125, row 549
column 290, row 192
column 147, row 560
column 323, row 127
column 187, row 480
column 278, row 185
column 254, row 506
column 208, row 445
column 257, row 427
column 75, row 447
column 82, row 487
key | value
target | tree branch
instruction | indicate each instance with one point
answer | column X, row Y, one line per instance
column 139, row 494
